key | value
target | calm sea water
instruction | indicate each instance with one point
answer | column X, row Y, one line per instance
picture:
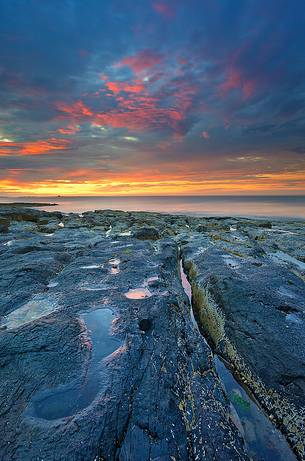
column 262, row 206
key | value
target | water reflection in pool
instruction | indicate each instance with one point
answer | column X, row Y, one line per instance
column 263, row 440
column 138, row 293
column 67, row 400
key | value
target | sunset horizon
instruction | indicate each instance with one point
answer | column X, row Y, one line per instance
column 152, row 230
column 94, row 101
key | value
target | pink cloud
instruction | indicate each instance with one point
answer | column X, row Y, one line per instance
column 184, row 95
column 205, row 135
column 113, row 86
column 164, row 9
column 139, row 62
column 69, row 129
column 235, row 80
column 117, row 87
column 248, row 88
column 136, row 112
column 76, row 110
column 135, row 108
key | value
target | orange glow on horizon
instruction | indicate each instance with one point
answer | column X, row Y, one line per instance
column 275, row 183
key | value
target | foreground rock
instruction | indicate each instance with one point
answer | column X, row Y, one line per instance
column 100, row 357
column 250, row 303
column 156, row 396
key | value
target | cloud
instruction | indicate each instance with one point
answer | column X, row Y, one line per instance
column 44, row 146
column 4, row 140
column 141, row 61
column 34, row 147
column 131, row 138
column 205, row 135
column 69, row 129
column 76, row 110
column 235, row 80
column 133, row 108
column 161, row 71
column 164, row 9
column 118, row 87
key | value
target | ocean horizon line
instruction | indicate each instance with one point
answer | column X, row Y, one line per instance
column 156, row 196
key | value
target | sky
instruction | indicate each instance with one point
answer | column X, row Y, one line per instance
column 152, row 97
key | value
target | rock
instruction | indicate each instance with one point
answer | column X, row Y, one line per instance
column 4, row 225
column 265, row 225
column 157, row 396
column 249, row 309
column 145, row 324
column 146, row 233
column 201, row 228
column 155, row 393
column 27, row 204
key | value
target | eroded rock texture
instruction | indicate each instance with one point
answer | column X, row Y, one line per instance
column 249, row 296
column 157, row 397
column 100, row 357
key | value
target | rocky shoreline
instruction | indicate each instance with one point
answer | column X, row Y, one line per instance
column 103, row 357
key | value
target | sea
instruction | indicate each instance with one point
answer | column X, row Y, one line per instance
column 242, row 206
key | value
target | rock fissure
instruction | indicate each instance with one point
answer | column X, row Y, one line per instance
column 161, row 395
column 213, row 324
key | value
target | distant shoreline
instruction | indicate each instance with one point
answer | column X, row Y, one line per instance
column 28, row 204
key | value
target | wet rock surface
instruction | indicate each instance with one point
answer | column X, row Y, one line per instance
column 100, row 357
column 249, row 297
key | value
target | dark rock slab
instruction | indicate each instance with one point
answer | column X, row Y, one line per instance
column 159, row 398
column 251, row 306
column 147, row 233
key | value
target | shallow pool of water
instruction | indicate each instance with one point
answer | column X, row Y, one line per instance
column 151, row 281
column 188, row 291
column 67, row 400
column 92, row 266
column 138, row 293
column 264, row 442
